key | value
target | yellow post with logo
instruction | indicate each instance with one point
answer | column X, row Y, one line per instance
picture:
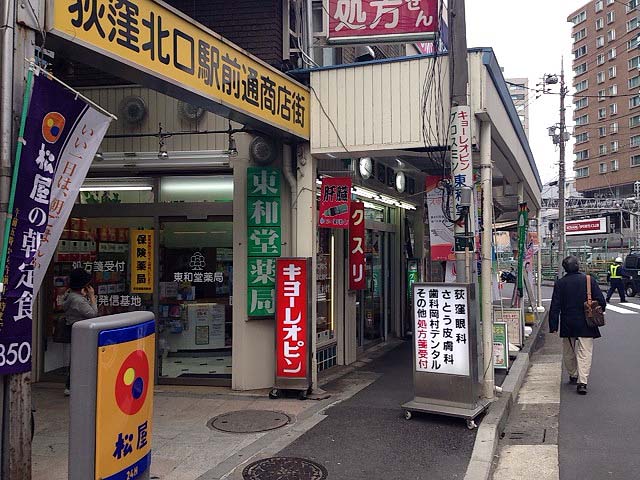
column 111, row 407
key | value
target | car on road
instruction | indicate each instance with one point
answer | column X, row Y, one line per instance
column 632, row 266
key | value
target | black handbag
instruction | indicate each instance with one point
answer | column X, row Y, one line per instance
column 61, row 331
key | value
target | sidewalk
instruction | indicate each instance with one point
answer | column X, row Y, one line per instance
column 358, row 433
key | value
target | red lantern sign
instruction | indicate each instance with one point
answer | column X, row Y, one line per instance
column 357, row 279
column 292, row 319
column 335, row 200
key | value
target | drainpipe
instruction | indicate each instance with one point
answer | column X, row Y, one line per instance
column 7, row 15
column 486, row 255
column 289, row 163
column 309, row 7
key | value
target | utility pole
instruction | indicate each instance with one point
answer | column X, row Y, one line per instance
column 560, row 137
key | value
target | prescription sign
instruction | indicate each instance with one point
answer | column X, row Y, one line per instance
column 124, row 402
column 161, row 42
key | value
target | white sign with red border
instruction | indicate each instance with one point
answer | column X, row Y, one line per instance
column 587, row 226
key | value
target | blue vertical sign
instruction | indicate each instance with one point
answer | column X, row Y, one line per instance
column 51, row 117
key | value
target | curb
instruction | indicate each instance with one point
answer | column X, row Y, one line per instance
column 486, row 444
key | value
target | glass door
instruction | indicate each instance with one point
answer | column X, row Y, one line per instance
column 371, row 303
column 195, row 300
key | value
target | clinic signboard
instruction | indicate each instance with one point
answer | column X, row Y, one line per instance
column 111, row 407
column 293, row 329
column 156, row 45
column 363, row 21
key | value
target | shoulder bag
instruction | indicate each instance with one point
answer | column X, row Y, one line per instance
column 592, row 309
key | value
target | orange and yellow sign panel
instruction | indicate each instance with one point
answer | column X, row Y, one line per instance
column 141, row 261
column 124, row 402
column 158, row 40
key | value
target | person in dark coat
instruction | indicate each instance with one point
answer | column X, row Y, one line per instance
column 567, row 312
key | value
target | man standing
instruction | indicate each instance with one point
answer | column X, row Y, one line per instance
column 615, row 274
column 567, row 311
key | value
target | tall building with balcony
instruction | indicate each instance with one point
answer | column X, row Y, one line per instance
column 606, row 97
column 519, row 91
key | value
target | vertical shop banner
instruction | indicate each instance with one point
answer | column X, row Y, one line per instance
column 292, row 317
column 73, row 165
column 500, row 346
column 351, row 21
column 335, row 201
column 50, row 134
column 264, row 242
column 461, row 165
column 523, row 226
column 357, row 280
column 441, row 316
column 440, row 233
column 141, row 261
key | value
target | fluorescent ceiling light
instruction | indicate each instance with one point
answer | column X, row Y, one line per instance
column 199, row 159
column 115, row 188
column 116, row 184
column 378, row 197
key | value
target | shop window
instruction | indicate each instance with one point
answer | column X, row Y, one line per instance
column 116, row 190
column 102, row 246
column 325, row 327
column 196, row 189
column 195, row 288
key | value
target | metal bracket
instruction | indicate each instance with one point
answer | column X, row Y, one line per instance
column 31, row 14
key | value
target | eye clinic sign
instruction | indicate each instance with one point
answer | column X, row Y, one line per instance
column 166, row 50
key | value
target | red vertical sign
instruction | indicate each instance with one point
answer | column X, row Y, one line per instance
column 292, row 299
column 335, row 199
column 356, row 247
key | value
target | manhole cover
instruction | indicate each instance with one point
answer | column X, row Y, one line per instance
column 249, row 421
column 284, row 468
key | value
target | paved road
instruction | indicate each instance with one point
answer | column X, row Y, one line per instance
column 600, row 433
column 367, row 438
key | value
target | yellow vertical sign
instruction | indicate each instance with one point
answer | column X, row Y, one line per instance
column 141, row 246
column 124, row 402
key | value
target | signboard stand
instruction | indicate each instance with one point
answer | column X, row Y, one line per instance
column 445, row 377
column 293, row 327
column 111, row 405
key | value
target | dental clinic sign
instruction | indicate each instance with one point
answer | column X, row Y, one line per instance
column 358, row 21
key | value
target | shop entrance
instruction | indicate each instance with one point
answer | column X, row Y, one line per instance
column 195, row 300
column 374, row 306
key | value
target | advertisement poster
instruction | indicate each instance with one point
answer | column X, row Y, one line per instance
column 350, row 21
column 124, row 401
column 500, row 346
column 513, row 318
column 292, row 299
column 440, row 232
column 441, row 314
column 141, row 261
column 334, row 203
column 57, row 126
column 357, row 280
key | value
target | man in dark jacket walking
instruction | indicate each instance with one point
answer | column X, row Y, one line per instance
column 567, row 311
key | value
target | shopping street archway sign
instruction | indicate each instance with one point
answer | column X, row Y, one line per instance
column 153, row 44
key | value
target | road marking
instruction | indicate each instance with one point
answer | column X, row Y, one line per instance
column 629, row 304
column 619, row 309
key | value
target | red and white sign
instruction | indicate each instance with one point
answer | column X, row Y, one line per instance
column 361, row 20
column 440, row 233
column 357, row 279
column 587, row 226
column 335, row 202
column 292, row 299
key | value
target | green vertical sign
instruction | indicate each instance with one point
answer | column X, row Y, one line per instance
column 523, row 224
column 264, row 239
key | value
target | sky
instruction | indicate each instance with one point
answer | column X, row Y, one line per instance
column 529, row 40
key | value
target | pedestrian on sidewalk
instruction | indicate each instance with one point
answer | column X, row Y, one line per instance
column 615, row 275
column 567, row 312
column 79, row 303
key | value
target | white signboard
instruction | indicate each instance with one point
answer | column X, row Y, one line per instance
column 515, row 323
column 587, row 226
column 441, row 316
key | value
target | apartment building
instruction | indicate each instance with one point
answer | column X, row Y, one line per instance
column 519, row 91
column 606, row 97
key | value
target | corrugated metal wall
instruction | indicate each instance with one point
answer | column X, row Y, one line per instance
column 160, row 109
column 373, row 107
